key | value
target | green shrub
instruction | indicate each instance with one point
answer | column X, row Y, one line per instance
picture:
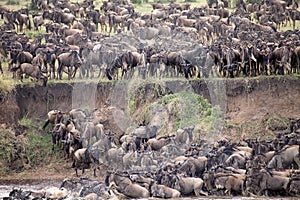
column 162, row 1
column 33, row 34
column 13, row 2
column 25, row 150
column 33, row 7
column 38, row 149
column 137, row 1
column 254, row 1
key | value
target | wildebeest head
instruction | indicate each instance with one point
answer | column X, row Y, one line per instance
column 116, row 63
column 75, row 58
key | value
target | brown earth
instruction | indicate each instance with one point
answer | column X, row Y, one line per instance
column 56, row 170
column 245, row 98
column 255, row 107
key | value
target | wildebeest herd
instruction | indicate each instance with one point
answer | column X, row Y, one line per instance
column 172, row 40
column 143, row 164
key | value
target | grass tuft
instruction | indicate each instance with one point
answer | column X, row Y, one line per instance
column 13, row 2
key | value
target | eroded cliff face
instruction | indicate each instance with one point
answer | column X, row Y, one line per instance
column 268, row 96
column 243, row 99
column 9, row 108
column 35, row 102
column 255, row 108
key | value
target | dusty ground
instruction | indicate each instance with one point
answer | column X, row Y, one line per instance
column 53, row 173
column 57, row 172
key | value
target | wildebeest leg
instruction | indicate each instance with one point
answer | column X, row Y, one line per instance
column 21, row 26
column 294, row 24
column 21, row 76
column 69, row 73
column 297, row 160
column 142, row 72
column 199, row 72
column 150, row 70
column 132, row 70
column 281, row 70
column 265, row 64
column 95, row 172
column 100, row 71
column 252, row 68
column 52, row 70
column 59, row 72
column 67, row 150
column 275, row 68
column 73, row 72
column 95, row 168
column 257, row 71
column 199, row 191
column 53, row 141
column 91, row 72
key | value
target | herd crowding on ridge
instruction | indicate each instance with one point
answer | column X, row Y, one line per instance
column 173, row 40
column 143, row 164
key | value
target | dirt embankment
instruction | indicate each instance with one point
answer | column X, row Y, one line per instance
column 268, row 96
column 244, row 100
column 258, row 107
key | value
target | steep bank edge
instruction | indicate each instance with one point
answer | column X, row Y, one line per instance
column 246, row 98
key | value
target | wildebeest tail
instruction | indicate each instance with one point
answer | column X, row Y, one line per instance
column 46, row 124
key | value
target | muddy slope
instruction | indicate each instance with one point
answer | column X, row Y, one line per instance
column 243, row 99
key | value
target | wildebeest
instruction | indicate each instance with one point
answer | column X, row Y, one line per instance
column 286, row 158
column 125, row 185
column 269, row 182
column 230, row 182
column 280, row 60
column 21, row 19
column 23, row 57
column 53, row 117
column 175, row 64
column 193, row 166
column 156, row 144
column 71, row 60
column 73, row 142
column 127, row 62
column 130, row 159
column 49, row 59
column 84, row 158
column 32, row 71
column 38, row 21
column 188, row 185
column 61, row 17
column 163, row 191
column 59, row 135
